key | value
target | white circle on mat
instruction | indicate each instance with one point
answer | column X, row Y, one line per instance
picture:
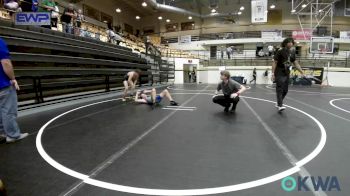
column 342, row 109
column 204, row 191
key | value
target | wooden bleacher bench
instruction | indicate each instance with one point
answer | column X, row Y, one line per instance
column 14, row 41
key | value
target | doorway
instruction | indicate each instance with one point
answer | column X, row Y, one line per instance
column 190, row 73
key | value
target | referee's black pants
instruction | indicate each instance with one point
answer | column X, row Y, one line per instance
column 281, row 88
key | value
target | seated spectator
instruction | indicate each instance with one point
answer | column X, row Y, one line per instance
column 12, row 5
column 66, row 19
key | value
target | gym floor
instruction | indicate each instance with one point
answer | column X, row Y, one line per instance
column 195, row 146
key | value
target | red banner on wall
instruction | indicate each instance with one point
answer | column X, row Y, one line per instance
column 299, row 34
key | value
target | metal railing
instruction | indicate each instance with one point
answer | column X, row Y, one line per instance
column 268, row 62
column 249, row 58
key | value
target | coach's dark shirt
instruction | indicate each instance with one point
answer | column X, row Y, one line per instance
column 281, row 57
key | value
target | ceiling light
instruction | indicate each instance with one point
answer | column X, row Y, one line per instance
column 160, row 18
column 239, row 13
column 167, row 20
column 118, row 10
column 293, row 11
column 213, row 11
column 144, row 4
column 137, row 17
column 304, row 6
column 241, row 8
column 190, row 18
column 273, row 6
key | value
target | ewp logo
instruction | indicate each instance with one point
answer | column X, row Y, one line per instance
column 330, row 183
column 33, row 18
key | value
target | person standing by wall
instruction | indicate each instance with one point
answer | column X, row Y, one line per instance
column 266, row 75
column 8, row 98
column 254, row 76
column 193, row 75
column 228, row 52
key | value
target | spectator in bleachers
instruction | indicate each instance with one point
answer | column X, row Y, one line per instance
column 110, row 33
column 67, row 19
column 118, row 38
column 26, row 5
column 147, row 44
column 29, row 5
column 112, row 36
column 54, row 17
column 48, row 6
column 87, row 32
column 35, row 5
column 12, row 5
column 80, row 18
column 83, row 32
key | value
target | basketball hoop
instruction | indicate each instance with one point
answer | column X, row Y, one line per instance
column 322, row 46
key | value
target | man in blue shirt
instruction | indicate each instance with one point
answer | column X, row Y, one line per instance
column 8, row 98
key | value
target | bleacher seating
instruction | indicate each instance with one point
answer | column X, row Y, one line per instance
column 49, row 62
